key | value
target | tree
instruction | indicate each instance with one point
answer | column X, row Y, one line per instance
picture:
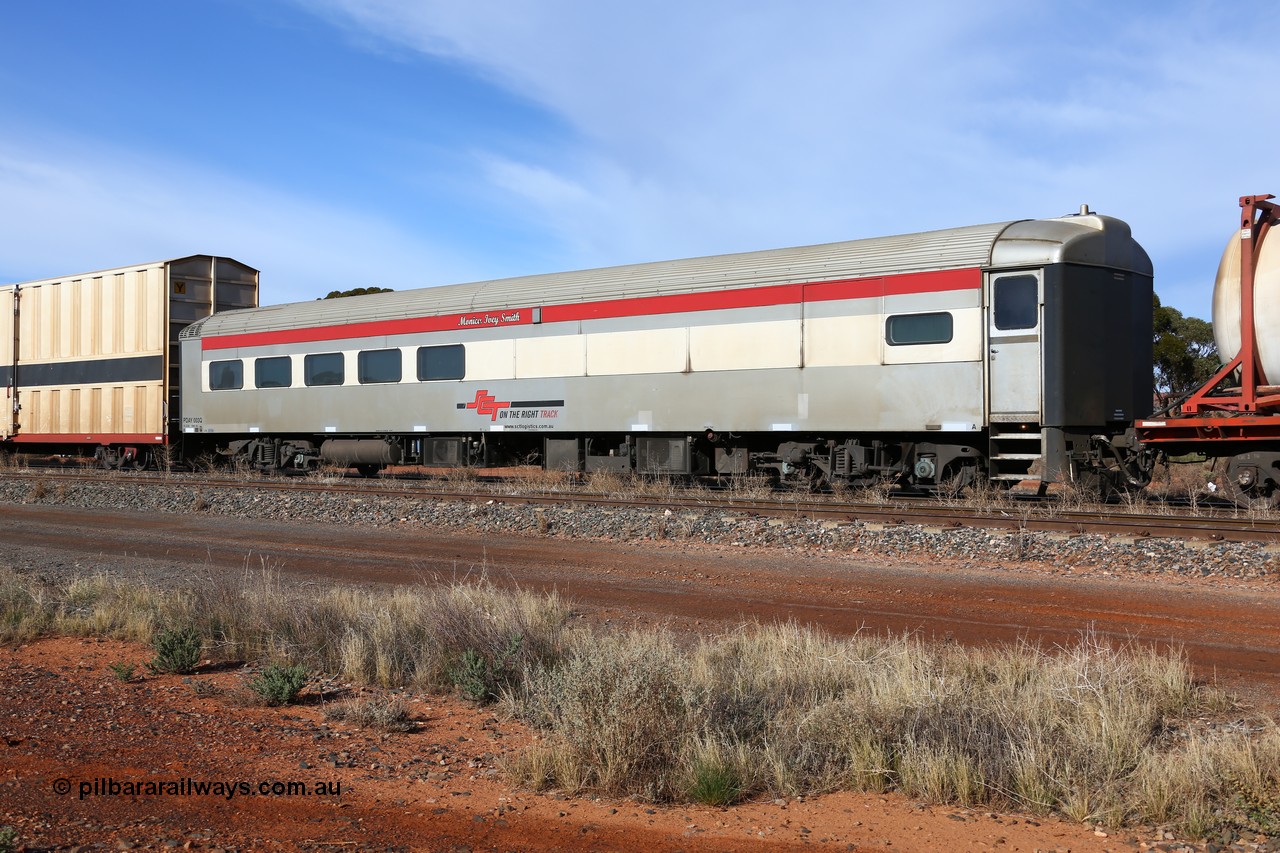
column 358, row 291
column 1184, row 352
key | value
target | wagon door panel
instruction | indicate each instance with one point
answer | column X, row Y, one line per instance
column 1013, row 352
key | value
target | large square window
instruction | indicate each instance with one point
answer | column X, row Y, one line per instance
column 445, row 362
column 273, row 372
column 226, row 375
column 379, row 365
column 324, row 368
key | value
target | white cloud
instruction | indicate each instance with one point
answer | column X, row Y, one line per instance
column 741, row 128
column 721, row 126
column 73, row 210
column 539, row 185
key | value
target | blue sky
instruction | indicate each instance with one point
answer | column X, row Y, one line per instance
column 347, row 143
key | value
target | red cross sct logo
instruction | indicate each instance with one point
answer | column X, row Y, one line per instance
column 486, row 404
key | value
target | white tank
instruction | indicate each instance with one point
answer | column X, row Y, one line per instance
column 1266, row 304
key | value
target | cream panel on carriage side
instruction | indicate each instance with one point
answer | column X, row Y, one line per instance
column 494, row 359
column 745, row 346
column 842, row 341
column 647, row 351
column 561, row 355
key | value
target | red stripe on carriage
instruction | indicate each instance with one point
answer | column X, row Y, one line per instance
column 716, row 300
column 375, row 328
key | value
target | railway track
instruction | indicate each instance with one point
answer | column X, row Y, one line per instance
column 1225, row 524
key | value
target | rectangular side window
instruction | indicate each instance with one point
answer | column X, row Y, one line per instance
column 323, row 369
column 904, row 329
column 447, row 362
column 1017, row 302
column 378, row 365
column 226, row 375
column 273, row 372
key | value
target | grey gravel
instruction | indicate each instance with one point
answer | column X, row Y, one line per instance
column 1085, row 553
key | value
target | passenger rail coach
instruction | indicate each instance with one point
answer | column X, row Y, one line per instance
column 1003, row 352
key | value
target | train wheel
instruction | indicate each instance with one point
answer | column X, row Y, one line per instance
column 1249, row 483
column 956, row 480
column 1252, row 497
column 368, row 470
column 1256, row 495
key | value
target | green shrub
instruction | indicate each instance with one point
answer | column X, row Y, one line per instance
column 471, row 675
column 8, row 839
column 121, row 670
column 278, row 684
column 177, row 650
column 481, row 677
column 715, row 782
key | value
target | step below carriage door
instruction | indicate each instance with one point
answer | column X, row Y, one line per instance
column 1014, row 321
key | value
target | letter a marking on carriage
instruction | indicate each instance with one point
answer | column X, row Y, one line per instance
column 487, row 404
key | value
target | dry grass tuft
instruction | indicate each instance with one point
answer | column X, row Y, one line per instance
column 616, row 713
column 328, row 473
column 408, row 636
column 530, row 478
column 751, row 487
column 380, row 712
column 784, row 710
column 26, row 607
column 877, row 492
column 608, row 483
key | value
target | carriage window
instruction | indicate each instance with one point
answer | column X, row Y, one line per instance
column 226, row 375
column 323, row 369
column 379, row 365
column 1017, row 302
column 273, row 372
column 919, row 329
column 447, row 362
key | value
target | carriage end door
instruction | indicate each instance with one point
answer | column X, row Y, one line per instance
column 1014, row 322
